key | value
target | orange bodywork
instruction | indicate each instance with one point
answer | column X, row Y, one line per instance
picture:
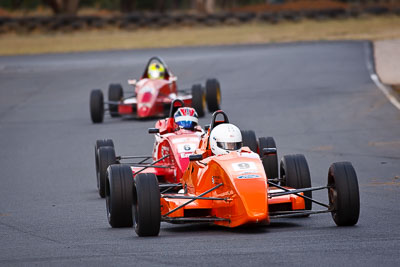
column 242, row 197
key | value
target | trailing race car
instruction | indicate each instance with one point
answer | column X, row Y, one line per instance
column 153, row 95
column 176, row 137
column 226, row 184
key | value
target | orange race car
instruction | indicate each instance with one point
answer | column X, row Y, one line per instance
column 226, row 184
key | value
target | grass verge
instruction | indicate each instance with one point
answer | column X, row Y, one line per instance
column 368, row 27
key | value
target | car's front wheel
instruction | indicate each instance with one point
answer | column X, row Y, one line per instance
column 249, row 139
column 213, row 95
column 106, row 157
column 119, row 192
column 146, row 205
column 198, row 99
column 270, row 162
column 96, row 106
column 115, row 94
column 295, row 173
column 343, row 192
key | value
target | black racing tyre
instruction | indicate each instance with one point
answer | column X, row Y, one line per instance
column 103, row 142
column 100, row 143
column 115, row 93
column 119, row 192
column 198, row 99
column 213, row 95
column 294, row 172
column 146, row 205
column 344, row 196
column 96, row 106
column 249, row 139
column 106, row 157
column 270, row 162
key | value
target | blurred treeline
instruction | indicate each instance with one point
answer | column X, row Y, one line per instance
column 71, row 7
column 128, row 5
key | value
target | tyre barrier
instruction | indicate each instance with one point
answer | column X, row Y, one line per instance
column 138, row 20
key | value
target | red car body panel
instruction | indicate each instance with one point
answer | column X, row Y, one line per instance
column 152, row 98
column 179, row 144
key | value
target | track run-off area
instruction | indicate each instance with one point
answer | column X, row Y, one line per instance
column 314, row 98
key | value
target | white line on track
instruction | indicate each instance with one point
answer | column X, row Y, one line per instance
column 374, row 77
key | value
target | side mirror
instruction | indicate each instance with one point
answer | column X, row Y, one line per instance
column 154, row 130
column 132, row 82
column 195, row 157
column 269, row 151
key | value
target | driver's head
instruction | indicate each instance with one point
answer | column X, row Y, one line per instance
column 156, row 71
column 186, row 118
column 225, row 138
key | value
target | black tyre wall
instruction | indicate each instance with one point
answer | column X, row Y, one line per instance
column 213, row 95
column 115, row 93
column 249, row 139
column 344, row 194
column 270, row 162
column 106, row 157
column 146, row 203
column 100, row 143
column 119, row 193
column 198, row 99
column 96, row 106
column 295, row 173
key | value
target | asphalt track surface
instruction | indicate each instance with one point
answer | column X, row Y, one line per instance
column 314, row 98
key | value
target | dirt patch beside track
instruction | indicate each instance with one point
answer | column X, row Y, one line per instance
column 366, row 27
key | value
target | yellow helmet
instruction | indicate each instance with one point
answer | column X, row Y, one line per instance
column 156, row 71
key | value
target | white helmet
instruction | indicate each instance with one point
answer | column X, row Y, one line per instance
column 225, row 138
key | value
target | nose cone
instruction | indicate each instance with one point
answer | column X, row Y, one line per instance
column 143, row 111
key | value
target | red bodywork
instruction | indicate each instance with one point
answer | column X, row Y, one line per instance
column 178, row 144
column 153, row 98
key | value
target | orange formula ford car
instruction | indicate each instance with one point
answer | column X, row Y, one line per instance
column 176, row 137
column 153, row 94
column 226, row 184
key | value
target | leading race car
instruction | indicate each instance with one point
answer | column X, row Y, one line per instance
column 226, row 184
column 153, row 95
column 176, row 137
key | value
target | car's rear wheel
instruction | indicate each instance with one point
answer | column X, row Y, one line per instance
column 106, row 157
column 146, row 205
column 100, row 143
column 294, row 172
column 249, row 139
column 343, row 192
column 213, row 94
column 270, row 162
column 198, row 99
column 115, row 94
column 119, row 192
column 96, row 106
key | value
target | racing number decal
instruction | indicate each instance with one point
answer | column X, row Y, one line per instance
column 244, row 166
column 186, row 149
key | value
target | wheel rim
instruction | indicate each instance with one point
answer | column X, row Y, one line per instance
column 332, row 198
column 218, row 96
column 203, row 101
